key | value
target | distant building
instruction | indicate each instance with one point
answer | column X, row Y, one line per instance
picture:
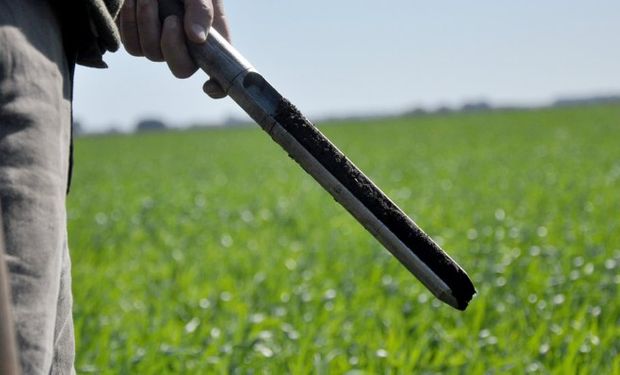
column 150, row 125
column 476, row 107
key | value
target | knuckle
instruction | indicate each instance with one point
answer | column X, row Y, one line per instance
column 202, row 7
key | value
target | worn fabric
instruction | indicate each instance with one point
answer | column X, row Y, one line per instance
column 89, row 28
column 35, row 121
column 103, row 13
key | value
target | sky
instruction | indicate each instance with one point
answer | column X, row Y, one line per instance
column 356, row 57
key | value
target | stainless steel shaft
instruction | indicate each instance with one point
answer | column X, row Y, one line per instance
column 313, row 151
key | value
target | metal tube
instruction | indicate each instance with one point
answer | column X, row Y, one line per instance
column 328, row 166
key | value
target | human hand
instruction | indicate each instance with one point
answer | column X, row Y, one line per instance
column 143, row 34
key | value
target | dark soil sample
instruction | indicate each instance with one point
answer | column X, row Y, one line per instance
column 380, row 205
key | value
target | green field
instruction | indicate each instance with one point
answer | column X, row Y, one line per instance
column 212, row 252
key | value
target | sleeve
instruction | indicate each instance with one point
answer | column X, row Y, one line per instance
column 90, row 29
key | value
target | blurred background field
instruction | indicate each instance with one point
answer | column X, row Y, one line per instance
column 210, row 251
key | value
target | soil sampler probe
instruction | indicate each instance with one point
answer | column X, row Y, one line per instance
column 329, row 167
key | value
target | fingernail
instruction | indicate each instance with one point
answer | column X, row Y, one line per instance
column 200, row 32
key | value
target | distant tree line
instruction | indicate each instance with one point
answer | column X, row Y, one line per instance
column 157, row 125
column 604, row 99
column 475, row 106
column 481, row 105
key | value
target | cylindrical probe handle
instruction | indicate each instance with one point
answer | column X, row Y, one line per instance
column 329, row 166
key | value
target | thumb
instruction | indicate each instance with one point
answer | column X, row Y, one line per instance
column 197, row 20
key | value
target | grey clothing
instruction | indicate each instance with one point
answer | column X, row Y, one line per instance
column 35, row 121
